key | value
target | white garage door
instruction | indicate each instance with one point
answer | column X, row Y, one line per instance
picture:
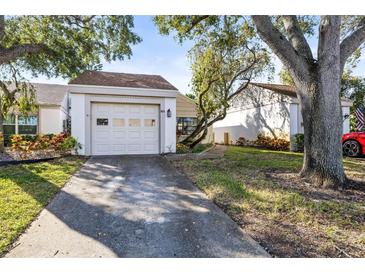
column 124, row 129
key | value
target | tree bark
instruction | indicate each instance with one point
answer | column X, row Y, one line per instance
column 1, row 132
column 322, row 121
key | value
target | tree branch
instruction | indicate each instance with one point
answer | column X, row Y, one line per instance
column 11, row 54
column 2, row 27
column 329, row 42
column 294, row 62
column 352, row 42
column 296, row 36
column 196, row 21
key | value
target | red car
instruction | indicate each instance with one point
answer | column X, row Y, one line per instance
column 353, row 144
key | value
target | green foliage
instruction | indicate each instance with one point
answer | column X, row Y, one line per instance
column 186, row 27
column 69, row 45
column 19, row 95
column 286, row 78
column 182, row 149
column 70, row 143
column 191, row 96
column 200, row 148
column 299, row 142
column 353, row 88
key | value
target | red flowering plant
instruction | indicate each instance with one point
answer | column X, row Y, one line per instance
column 62, row 143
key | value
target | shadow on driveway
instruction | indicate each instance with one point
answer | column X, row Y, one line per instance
column 132, row 206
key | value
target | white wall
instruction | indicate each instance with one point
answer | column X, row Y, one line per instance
column 50, row 119
column 169, row 126
column 251, row 121
column 346, row 122
column 78, row 118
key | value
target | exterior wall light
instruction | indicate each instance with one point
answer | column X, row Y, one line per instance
column 169, row 113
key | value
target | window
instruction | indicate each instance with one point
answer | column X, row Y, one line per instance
column 134, row 122
column 9, row 125
column 24, row 125
column 27, row 125
column 185, row 125
column 149, row 122
column 118, row 122
column 101, row 121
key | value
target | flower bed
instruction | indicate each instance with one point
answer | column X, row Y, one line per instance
column 41, row 146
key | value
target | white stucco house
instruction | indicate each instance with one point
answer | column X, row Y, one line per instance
column 118, row 113
column 270, row 109
column 112, row 113
column 51, row 117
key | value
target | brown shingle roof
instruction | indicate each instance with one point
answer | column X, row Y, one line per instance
column 101, row 78
column 282, row 89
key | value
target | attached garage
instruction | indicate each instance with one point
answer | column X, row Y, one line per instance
column 124, row 129
column 123, row 114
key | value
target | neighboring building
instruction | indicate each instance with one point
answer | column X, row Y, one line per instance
column 51, row 116
column 270, row 109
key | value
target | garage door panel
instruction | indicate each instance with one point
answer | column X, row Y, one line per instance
column 119, row 109
column 119, row 148
column 151, row 110
column 119, row 134
column 102, row 135
column 150, row 135
column 135, row 109
column 102, row 148
column 150, row 147
column 134, row 148
column 134, row 134
column 125, row 129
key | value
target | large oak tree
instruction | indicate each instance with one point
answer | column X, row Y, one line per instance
column 56, row 46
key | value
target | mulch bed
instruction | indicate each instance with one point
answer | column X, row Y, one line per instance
column 14, row 157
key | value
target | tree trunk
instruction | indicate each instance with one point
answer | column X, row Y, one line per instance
column 1, row 132
column 322, row 120
column 318, row 88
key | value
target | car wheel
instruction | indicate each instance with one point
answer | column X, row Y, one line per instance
column 351, row 148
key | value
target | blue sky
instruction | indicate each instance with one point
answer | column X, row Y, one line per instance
column 163, row 55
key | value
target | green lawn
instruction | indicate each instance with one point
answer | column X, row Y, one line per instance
column 26, row 189
column 260, row 190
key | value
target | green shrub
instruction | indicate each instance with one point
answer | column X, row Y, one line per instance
column 181, row 148
column 200, row 147
column 299, row 142
column 70, row 143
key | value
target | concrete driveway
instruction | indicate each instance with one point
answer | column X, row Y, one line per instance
column 133, row 206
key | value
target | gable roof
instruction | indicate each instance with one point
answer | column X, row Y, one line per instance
column 278, row 88
column 114, row 79
column 50, row 94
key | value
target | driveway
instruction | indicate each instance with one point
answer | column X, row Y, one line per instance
column 133, row 206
